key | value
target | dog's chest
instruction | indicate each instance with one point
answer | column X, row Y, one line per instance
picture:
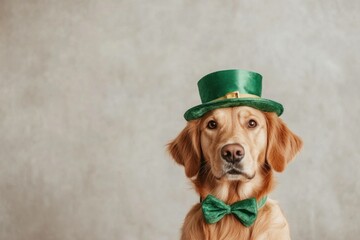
column 229, row 228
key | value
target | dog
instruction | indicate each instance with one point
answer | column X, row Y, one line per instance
column 230, row 153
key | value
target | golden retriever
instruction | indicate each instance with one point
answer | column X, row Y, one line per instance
column 231, row 153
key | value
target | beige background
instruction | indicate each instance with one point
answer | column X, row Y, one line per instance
column 91, row 91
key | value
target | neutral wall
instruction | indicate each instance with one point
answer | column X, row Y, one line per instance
column 91, row 92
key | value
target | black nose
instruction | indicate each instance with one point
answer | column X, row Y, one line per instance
column 232, row 153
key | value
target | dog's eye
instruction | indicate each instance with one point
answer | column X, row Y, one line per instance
column 211, row 124
column 252, row 123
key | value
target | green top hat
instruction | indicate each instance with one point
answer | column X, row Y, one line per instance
column 230, row 88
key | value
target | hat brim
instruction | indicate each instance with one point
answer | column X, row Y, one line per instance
column 261, row 104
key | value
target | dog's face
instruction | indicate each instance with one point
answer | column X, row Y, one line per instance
column 233, row 142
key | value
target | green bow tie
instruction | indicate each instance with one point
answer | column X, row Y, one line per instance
column 245, row 211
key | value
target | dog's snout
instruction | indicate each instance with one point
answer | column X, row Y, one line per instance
column 232, row 153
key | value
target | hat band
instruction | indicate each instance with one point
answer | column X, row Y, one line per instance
column 235, row 94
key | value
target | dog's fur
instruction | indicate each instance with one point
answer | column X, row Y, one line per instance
column 268, row 146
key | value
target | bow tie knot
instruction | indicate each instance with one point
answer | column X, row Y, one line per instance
column 245, row 211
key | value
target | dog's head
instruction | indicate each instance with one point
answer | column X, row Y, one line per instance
column 235, row 144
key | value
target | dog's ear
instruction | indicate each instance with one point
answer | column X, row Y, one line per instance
column 185, row 148
column 282, row 145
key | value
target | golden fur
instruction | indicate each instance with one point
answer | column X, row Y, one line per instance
column 268, row 146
